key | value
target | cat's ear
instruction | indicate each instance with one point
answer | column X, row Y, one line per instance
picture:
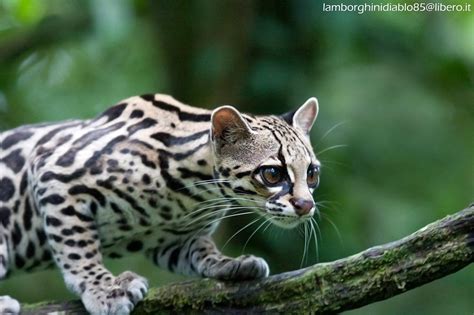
column 304, row 116
column 228, row 124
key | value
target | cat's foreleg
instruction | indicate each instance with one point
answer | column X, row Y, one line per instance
column 200, row 256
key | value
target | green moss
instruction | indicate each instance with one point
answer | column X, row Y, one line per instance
column 38, row 305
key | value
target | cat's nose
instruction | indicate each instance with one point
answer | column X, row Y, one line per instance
column 302, row 206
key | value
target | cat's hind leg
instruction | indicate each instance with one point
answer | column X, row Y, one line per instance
column 7, row 304
column 75, row 243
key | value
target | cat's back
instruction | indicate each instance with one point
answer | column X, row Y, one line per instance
column 151, row 116
column 121, row 145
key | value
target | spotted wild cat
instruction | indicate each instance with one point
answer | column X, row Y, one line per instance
column 149, row 175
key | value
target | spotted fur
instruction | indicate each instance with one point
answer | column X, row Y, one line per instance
column 149, row 175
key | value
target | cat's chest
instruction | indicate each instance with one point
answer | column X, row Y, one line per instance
column 160, row 210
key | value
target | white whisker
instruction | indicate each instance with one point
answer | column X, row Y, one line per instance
column 304, row 245
column 205, row 182
column 336, row 229
column 316, row 248
column 268, row 225
column 231, row 208
column 331, row 148
column 220, row 219
column 251, row 235
column 240, row 230
column 331, row 130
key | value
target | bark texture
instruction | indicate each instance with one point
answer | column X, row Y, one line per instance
column 378, row 273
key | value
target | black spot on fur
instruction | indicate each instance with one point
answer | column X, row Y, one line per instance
column 116, row 208
column 89, row 255
column 242, row 174
column 93, row 208
column 70, row 242
column 187, row 173
column 16, row 235
column 23, row 183
column 27, row 215
column 19, row 261
column 78, row 229
column 5, row 216
column 170, row 140
column 144, row 159
column 67, row 232
column 68, row 158
column 146, row 179
column 46, row 256
column 153, row 202
column 114, row 255
column 174, row 257
column 64, row 178
column 134, row 246
column 41, row 236
column 53, row 199
column 243, row 191
column 125, row 227
column 136, row 114
column 82, row 189
column 74, row 256
column 144, row 124
column 68, row 211
column 100, row 276
column 15, row 138
column 49, row 136
column 224, row 171
column 30, row 250
column 182, row 115
column 53, row 221
column 14, row 161
column 82, row 286
column 113, row 112
column 56, row 238
column 166, row 216
column 133, row 203
column 7, row 190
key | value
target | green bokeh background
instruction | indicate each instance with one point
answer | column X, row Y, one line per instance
column 396, row 100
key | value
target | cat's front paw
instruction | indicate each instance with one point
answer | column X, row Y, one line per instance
column 118, row 298
column 9, row 305
column 246, row 267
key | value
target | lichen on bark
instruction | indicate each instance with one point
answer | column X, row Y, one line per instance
column 380, row 272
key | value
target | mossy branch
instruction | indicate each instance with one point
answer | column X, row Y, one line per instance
column 375, row 274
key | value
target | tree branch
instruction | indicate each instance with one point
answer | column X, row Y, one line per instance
column 375, row 274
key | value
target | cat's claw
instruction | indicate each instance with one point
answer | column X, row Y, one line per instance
column 246, row 267
column 127, row 290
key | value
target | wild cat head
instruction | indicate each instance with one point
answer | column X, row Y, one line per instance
column 267, row 162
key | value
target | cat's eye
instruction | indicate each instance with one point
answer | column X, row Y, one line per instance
column 312, row 177
column 272, row 175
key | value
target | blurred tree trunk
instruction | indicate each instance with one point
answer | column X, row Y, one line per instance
column 200, row 57
column 375, row 274
column 259, row 55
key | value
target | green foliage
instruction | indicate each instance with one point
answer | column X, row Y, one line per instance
column 396, row 89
